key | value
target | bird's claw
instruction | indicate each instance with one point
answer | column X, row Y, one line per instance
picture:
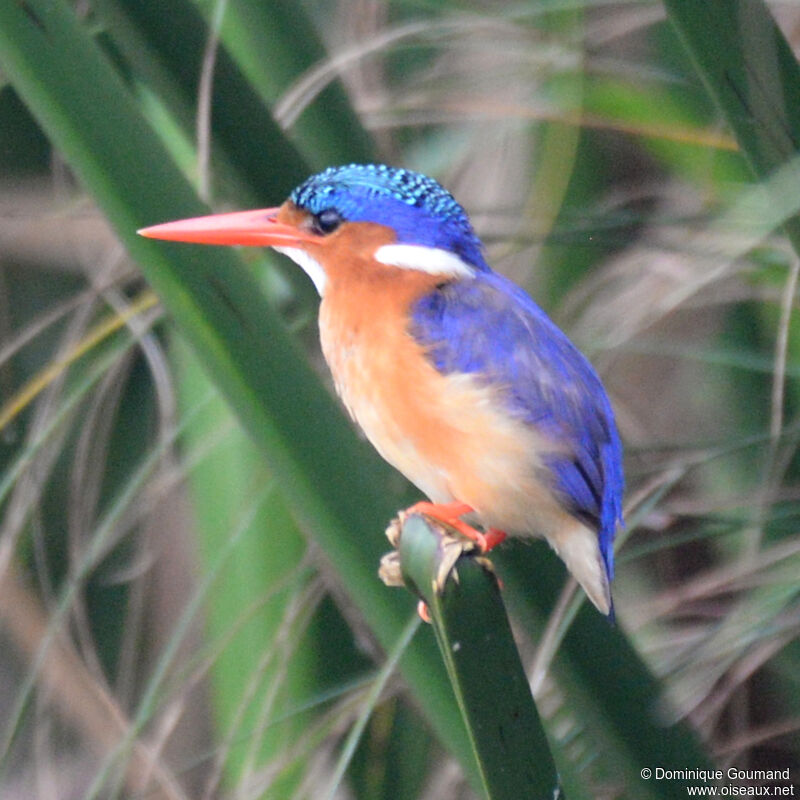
column 389, row 570
column 455, row 539
column 449, row 515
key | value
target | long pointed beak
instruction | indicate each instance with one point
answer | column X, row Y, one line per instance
column 258, row 228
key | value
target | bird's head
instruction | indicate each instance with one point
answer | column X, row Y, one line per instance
column 347, row 217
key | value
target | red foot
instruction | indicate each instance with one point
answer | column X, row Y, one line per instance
column 492, row 538
column 451, row 513
column 424, row 612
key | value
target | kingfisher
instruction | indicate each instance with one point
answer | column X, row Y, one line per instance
column 457, row 377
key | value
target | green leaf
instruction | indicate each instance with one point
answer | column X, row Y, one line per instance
column 326, row 129
column 483, row 663
column 334, row 484
column 750, row 71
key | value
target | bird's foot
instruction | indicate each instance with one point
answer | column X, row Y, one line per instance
column 424, row 612
column 454, row 533
column 450, row 514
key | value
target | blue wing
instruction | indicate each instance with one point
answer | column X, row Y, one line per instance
column 489, row 326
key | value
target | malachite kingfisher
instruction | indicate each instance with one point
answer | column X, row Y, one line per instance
column 453, row 372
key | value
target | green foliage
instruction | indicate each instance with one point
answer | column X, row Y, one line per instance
column 190, row 527
column 475, row 640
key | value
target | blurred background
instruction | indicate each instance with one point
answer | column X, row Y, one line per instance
column 166, row 628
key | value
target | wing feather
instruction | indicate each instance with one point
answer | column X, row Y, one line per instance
column 489, row 326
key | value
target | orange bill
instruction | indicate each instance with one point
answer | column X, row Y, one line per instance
column 258, row 228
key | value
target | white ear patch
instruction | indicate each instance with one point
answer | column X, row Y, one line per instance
column 309, row 265
column 432, row 260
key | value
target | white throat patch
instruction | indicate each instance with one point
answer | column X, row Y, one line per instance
column 309, row 265
column 432, row 260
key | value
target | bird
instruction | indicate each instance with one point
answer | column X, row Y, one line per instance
column 453, row 372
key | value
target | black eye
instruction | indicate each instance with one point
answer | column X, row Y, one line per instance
column 327, row 221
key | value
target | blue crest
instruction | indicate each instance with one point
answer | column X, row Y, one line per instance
column 416, row 207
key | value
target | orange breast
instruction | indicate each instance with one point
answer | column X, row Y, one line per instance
column 449, row 435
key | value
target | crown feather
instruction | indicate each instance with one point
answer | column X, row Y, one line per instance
column 418, row 208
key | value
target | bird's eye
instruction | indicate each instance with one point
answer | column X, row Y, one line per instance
column 327, row 221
